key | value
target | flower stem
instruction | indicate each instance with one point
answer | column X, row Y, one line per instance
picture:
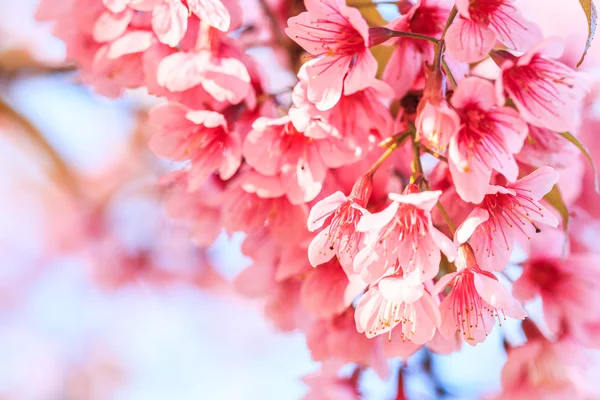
column 435, row 154
column 451, row 17
column 446, row 217
column 449, row 74
column 391, row 143
column 413, row 36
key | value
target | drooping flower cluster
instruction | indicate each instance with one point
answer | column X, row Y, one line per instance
column 350, row 189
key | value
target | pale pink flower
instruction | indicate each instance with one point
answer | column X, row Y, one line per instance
column 476, row 301
column 325, row 384
column 398, row 303
column 337, row 339
column 328, row 291
column 568, row 284
column 201, row 209
column 554, row 92
column 224, row 78
column 170, row 17
column 481, row 22
column 508, row 213
column 402, row 237
column 339, row 37
column 545, row 147
column 339, row 214
column 486, row 139
column 546, row 371
column 359, row 120
column 201, row 137
column 426, row 17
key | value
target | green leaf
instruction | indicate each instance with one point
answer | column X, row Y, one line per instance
column 581, row 147
column 591, row 13
column 554, row 197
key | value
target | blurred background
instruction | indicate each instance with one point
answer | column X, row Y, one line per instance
column 101, row 295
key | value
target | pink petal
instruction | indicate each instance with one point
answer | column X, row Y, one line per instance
column 474, row 90
column 320, row 211
column 538, row 183
column 109, row 26
column 213, row 12
column 424, row 200
column 477, row 217
column 513, row 30
column 130, row 43
column 444, row 243
column 467, row 41
column 319, row 250
column 403, row 67
column 361, row 73
column 326, row 81
column 169, row 22
column 498, row 296
column 376, row 221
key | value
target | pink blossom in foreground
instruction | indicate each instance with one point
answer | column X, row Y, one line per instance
column 476, row 301
column 568, row 284
column 400, row 306
column 402, row 237
column 202, row 137
column 339, row 37
column 338, row 215
column 554, row 91
column 486, row 139
column 481, row 22
column 506, row 214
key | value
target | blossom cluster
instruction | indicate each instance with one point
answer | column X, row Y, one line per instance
column 382, row 198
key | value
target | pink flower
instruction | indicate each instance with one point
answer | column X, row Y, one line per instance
column 201, row 137
column 225, row 79
column 328, row 291
column 402, row 237
column 325, row 384
column 486, row 139
column 426, row 17
column 201, row 208
column 340, row 215
column 337, row 339
column 568, row 284
column 476, row 300
column 276, row 146
column 436, row 122
column 339, row 37
column 481, row 22
column 553, row 95
column 358, row 120
column 507, row 214
column 545, row 370
column 170, row 18
column 397, row 301
column 545, row 147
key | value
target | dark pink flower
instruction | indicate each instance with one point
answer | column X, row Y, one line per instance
column 201, row 137
column 339, row 37
column 568, row 284
column 486, row 139
column 481, row 22
column 506, row 214
column 546, row 92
